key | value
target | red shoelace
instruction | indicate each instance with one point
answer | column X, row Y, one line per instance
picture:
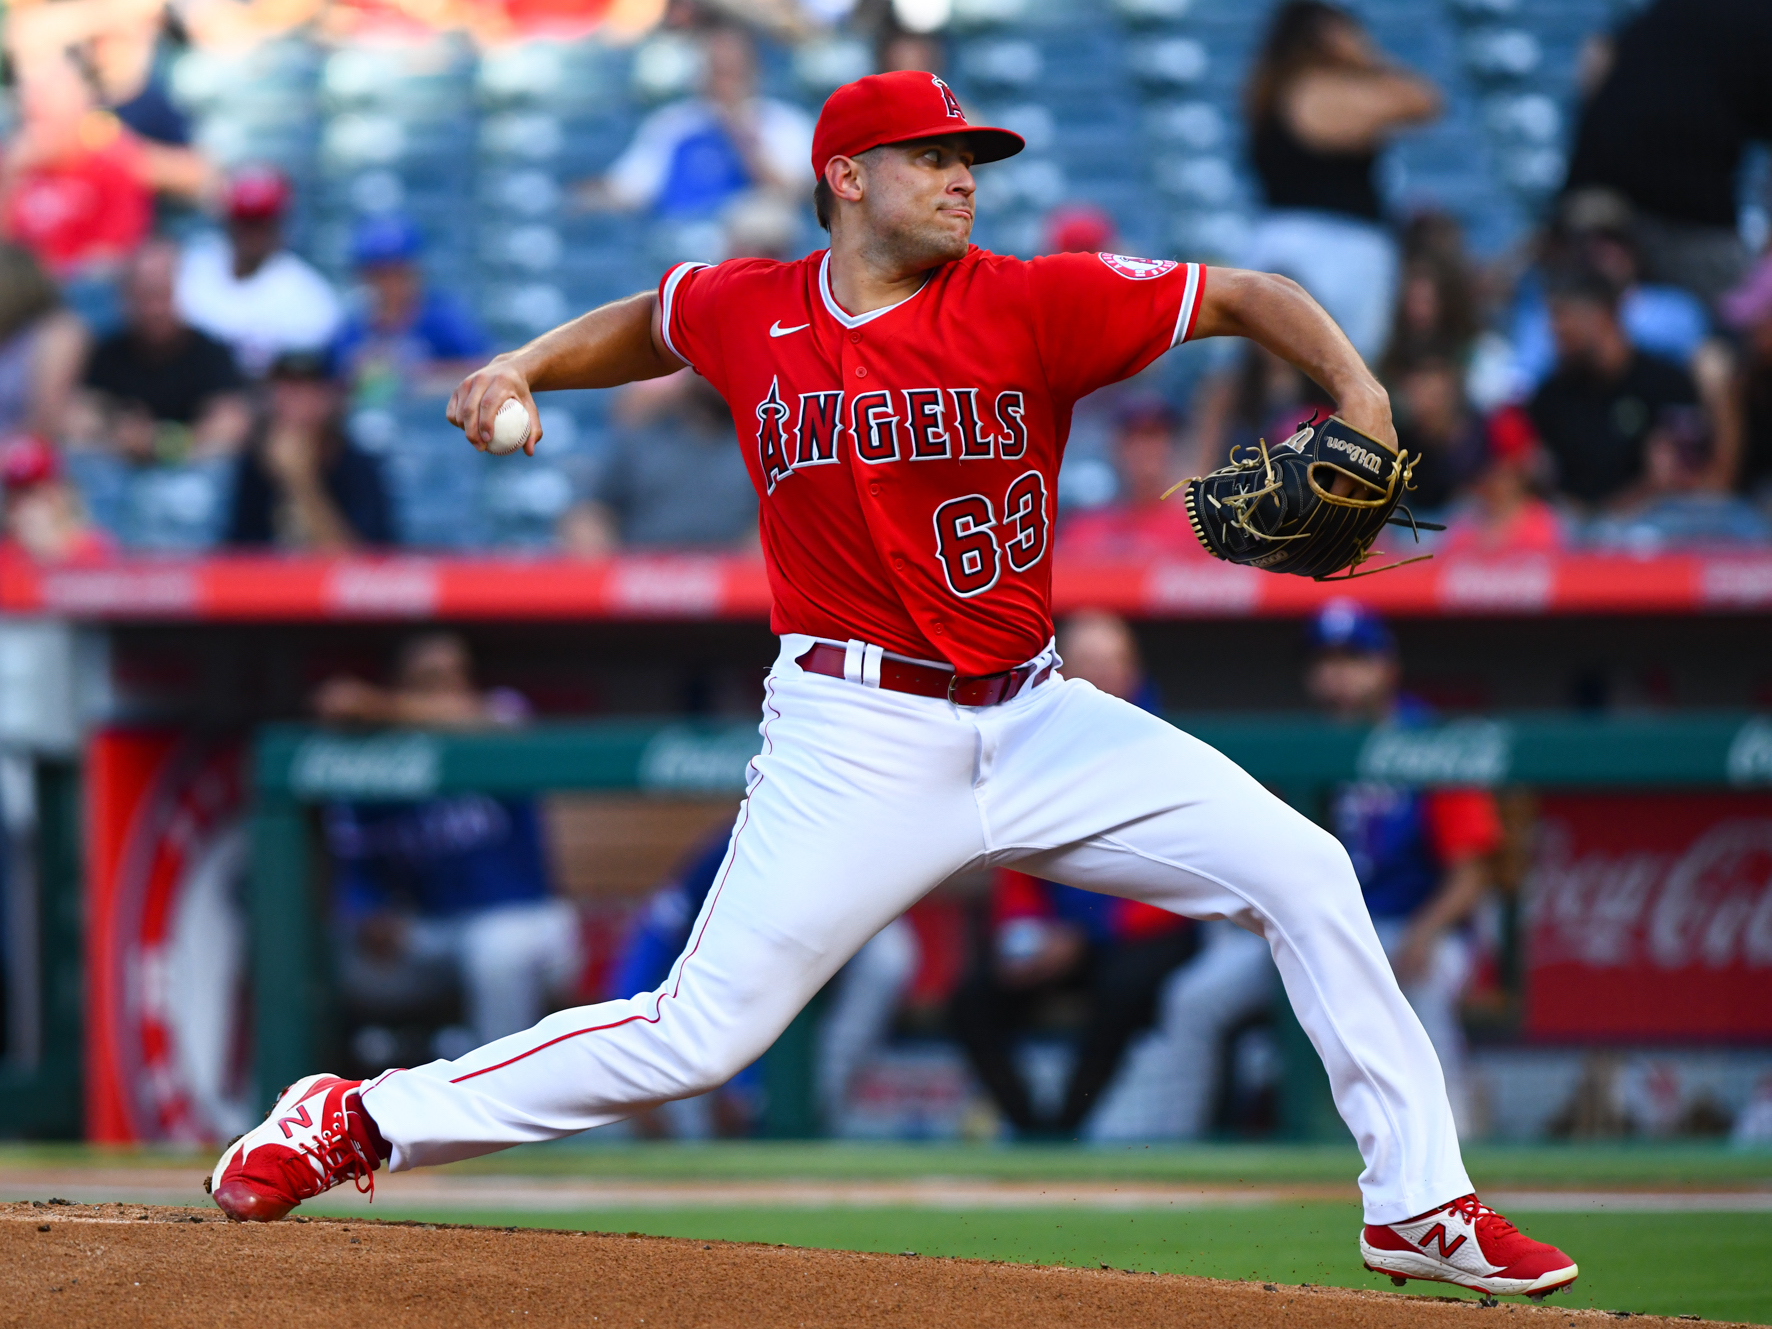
column 336, row 1157
column 1473, row 1209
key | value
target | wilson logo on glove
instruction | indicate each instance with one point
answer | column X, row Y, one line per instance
column 1279, row 509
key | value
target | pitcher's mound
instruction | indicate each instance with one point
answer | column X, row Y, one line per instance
column 111, row 1264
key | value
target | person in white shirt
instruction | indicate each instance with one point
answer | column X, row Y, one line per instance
column 245, row 289
column 690, row 158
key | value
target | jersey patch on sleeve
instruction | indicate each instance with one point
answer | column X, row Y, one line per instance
column 1138, row 269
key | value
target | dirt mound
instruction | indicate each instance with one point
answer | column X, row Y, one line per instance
column 105, row 1264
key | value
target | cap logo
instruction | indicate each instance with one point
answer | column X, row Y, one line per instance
column 1138, row 269
column 948, row 99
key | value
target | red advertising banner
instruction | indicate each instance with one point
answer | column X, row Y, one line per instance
column 1649, row 916
column 1186, row 585
column 166, row 982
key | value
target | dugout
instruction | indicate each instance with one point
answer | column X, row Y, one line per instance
column 294, row 767
column 205, row 661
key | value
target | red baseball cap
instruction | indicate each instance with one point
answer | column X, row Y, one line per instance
column 26, row 460
column 257, row 193
column 1512, row 435
column 1078, row 228
column 900, row 107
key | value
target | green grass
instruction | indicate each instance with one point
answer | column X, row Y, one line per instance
column 1715, row 1265
column 1495, row 1167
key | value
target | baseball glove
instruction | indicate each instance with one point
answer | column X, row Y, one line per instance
column 1277, row 509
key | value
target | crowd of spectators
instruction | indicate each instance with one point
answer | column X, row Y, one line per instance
column 1606, row 384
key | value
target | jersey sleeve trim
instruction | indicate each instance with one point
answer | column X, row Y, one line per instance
column 1191, row 291
column 667, row 294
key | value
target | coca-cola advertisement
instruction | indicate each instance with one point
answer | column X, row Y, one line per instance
column 1649, row 916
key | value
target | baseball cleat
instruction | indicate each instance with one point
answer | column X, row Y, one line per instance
column 1467, row 1243
column 316, row 1137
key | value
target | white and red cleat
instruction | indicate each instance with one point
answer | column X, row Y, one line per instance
column 317, row 1137
column 1467, row 1243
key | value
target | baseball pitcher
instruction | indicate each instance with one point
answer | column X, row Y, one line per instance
column 903, row 399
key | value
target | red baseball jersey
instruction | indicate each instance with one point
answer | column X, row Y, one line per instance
column 906, row 459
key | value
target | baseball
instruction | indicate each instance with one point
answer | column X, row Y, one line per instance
column 510, row 428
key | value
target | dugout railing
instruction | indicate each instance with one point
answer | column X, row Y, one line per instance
column 1301, row 757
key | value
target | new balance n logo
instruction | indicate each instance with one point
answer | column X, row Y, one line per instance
column 1438, row 1233
column 300, row 1117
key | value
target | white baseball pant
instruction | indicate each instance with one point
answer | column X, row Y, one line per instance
column 860, row 802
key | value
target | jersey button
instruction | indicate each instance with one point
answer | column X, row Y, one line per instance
column 898, row 564
column 874, row 488
column 861, row 371
column 855, row 337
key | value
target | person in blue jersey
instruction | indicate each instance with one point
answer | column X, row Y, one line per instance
column 448, row 890
column 1423, row 860
column 1424, row 857
column 402, row 335
column 690, row 158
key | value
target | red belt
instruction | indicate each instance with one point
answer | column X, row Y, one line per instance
column 928, row 680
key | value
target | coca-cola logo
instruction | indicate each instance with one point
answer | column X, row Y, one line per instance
column 1707, row 904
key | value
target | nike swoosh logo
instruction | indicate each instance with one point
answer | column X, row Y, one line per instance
column 776, row 329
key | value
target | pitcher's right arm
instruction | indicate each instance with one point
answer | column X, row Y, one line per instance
column 620, row 342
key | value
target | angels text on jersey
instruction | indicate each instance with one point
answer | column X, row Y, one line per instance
column 975, row 534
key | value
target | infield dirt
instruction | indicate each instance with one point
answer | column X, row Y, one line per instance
column 108, row 1264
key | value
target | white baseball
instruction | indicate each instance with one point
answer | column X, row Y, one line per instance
column 510, row 428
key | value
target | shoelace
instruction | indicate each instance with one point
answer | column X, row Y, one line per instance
column 1474, row 1210
column 334, row 1158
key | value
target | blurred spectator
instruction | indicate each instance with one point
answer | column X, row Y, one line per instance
column 1139, row 523
column 1595, row 410
column 453, row 890
column 689, row 158
column 1423, row 857
column 898, row 49
column 1504, row 513
column 247, row 290
column 1437, row 304
column 44, row 518
column 1682, row 93
column 74, row 185
column 302, row 484
column 165, row 392
column 1748, row 310
column 1079, row 228
column 1436, row 424
column 759, row 225
column 118, row 42
column 1683, row 499
column 406, row 336
column 666, row 429
column 1099, row 648
column 1322, row 102
column 1659, row 318
column 1046, row 940
column 1594, row 229
column 42, row 347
